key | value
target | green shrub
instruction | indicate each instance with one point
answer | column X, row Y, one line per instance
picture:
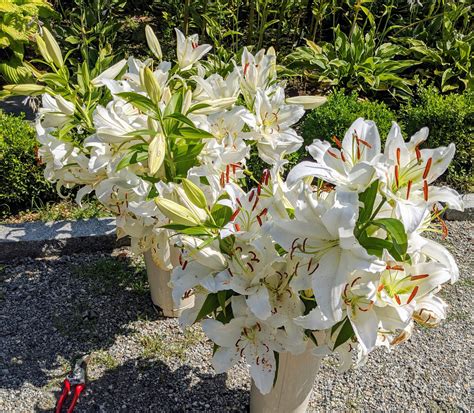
column 450, row 118
column 338, row 113
column 22, row 184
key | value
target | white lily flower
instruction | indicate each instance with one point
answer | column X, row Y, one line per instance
column 215, row 87
column 410, row 170
column 198, row 266
column 188, row 50
column 114, row 122
column 257, row 72
column 351, row 165
column 248, row 214
column 322, row 233
column 246, row 336
column 271, row 125
column 55, row 111
column 246, row 274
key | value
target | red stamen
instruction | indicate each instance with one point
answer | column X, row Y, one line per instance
column 255, row 203
column 238, row 202
column 332, row 154
column 427, row 168
column 237, row 227
column 395, row 267
column 230, row 272
column 419, row 277
column 397, row 299
column 398, row 156
column 234, row 215
column 251, row 196
column 364, row 143
column 418, row 154
column 267, row 177
column 396, row 176
column 259, row 189
column 412, row 295
column 337, row 141
column 425, row 190
column 222, row 180
column 408, row 189
column 259, row 220
column 185, row 264
column 381, row 287
column 227, row 173
column 343, row 157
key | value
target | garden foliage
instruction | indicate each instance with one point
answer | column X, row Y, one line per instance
column 22, row 184
column 18, row 23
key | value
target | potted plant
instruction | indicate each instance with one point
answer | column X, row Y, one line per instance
column 330, row 260
column 139, row 128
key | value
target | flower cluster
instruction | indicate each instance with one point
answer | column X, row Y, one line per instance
column 333, row 256
column 160, row 122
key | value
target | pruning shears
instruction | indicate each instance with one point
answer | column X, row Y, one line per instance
column 74, row 384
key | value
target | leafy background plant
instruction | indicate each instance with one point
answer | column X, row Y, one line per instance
column 370, row 56
column 19, row 21
column 22, row 185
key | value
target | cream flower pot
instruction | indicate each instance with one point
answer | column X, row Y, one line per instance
column 292, row 390
column 158, row 280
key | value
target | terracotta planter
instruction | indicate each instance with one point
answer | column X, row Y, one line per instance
column 292, row 390
column 158, row 280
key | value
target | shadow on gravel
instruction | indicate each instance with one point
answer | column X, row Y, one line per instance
column 146, row 385
column 53, row 311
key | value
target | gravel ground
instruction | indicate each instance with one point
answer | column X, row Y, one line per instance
column 53, row 310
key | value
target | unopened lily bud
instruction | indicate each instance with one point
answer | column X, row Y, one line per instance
column 43, row 50
column 153, row 124
column 153, row 42
column 151, row 85
column 156, row 153
column 25, row 89
column 194, row 193
column 53, row 48
column 176, row 212
column 308, row 102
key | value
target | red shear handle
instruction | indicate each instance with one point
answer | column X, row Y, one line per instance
column 64, row 394
column 77, row 391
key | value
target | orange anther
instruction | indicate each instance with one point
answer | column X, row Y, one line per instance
column 418, row 154
column 398, row 156
column 397, row 299
column 419, row 277
column 337, row 141
column 427, row 168
column 425, row 190
column 408, row 189
column 412, row 295
column 333, row 154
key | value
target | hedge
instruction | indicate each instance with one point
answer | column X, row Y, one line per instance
column 22, row 185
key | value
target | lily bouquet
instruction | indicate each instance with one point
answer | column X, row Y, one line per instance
column 139, row 130
column 333, row 257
